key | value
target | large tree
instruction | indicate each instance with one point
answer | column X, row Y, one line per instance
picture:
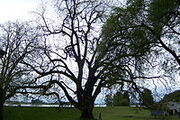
column 149, row 28
column 71, row 59
column 18, row 40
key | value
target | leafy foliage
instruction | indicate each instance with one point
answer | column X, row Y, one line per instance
column 139, row 36
column 118, row 99
column 172, row 97
column 109, row 100
column 125, row 42
column 147, row 98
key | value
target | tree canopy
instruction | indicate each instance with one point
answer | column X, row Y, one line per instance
column 147, row 31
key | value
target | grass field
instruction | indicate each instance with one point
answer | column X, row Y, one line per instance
column 109, row 113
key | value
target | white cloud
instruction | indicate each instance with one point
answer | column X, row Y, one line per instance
column 11, row 10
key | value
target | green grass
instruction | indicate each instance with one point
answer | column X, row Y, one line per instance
column 109, row 113
column 33, row 113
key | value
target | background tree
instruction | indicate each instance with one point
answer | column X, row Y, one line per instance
column 121, row 99
column 109, row 100
column 126, row 98
column 118, row 99
column 171, row 97
column 147, row 98
column 19, row 41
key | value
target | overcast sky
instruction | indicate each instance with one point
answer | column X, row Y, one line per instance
column 11, row 10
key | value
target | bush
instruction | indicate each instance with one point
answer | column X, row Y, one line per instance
column 124, row 102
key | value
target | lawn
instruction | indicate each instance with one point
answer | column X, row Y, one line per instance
column 109, row 113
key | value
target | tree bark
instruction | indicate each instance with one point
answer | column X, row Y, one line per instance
column 1, row 112
column 86, row 108
column 87, row 113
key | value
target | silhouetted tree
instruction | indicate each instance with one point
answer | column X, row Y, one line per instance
column 71, row 57
column 72, row 63
column 18, row 40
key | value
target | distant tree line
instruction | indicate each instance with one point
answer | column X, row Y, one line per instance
column 37, row 101
column 123, row 99
column 171, row 97
column 117, row 99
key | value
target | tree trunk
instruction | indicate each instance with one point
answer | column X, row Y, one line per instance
column 1, row 105
column 86, row 113
column 1, row 112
